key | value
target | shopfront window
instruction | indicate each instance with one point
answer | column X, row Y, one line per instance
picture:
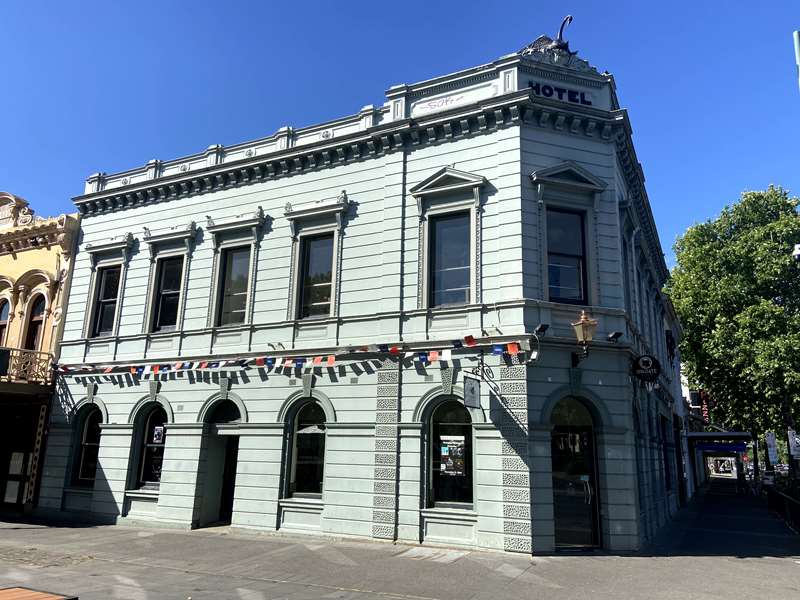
column 308, row 451
column 152, row 452
column 87, row 452
column 451, row 455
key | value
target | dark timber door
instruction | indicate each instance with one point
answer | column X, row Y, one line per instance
column 574, row 477
column 228, row 479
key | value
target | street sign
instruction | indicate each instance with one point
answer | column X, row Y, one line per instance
column 772, row 448
column 794, row 443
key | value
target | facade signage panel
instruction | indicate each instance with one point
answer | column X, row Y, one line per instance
column 559, row 93
column 472, row 391
column 442, row 102
column 646, row 368
column 720, row 447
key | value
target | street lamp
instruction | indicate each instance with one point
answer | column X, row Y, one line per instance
column 584, row 331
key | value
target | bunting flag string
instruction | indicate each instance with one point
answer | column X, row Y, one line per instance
column 442, row 351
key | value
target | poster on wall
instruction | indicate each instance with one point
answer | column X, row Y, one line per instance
column 772, row 448
column 452, row 455
column 158, row 435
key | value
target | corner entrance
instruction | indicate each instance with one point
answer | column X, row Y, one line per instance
column 218, row 466
column 575, row 503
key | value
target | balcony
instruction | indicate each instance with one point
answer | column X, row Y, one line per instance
column 25, row 366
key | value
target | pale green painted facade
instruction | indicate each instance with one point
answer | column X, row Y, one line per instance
column 490, row 133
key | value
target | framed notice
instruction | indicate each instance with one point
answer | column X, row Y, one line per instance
column 158, row 435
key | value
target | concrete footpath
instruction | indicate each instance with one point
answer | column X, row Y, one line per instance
column 720, row 546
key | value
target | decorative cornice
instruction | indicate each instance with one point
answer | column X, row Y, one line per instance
column 40, row 233
column 486, row 115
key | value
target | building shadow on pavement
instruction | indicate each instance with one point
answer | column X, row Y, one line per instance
column 720, row 522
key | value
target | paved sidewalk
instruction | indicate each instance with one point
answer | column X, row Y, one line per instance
column 721, row 546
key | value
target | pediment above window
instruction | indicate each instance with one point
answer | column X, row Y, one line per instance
column 238, row 223
column 177, row 234
column 333, row 209
column 447, row 180
column 121, row 244
column 568, row 175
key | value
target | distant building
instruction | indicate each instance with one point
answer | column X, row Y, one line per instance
column 365, row 327
column 35, row 265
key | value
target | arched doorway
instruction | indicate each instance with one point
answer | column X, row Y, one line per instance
column 575, row 490
column 221, row 450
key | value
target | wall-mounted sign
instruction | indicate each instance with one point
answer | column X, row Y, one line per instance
column 646, row 368
column 472, row 391
column 559, row 93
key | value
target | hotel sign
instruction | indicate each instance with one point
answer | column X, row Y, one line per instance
column 559, row 93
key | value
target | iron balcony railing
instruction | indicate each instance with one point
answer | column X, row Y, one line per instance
column 25, row 366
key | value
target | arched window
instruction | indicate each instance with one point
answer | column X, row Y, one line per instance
column 152, row 450
column 451, row 454
column 33, row 338
column 4, row 310
column 308, row 451
column 89, row 445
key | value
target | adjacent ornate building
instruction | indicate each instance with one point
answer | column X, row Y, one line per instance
column 35, row 266
column 368, row 326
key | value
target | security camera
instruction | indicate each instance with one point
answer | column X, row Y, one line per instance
column 796, row 252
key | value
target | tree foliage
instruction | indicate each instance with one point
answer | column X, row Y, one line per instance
column 736, row 289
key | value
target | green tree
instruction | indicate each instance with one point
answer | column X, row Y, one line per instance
column 736, row 289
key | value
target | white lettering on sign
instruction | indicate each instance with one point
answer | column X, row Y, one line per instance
column 460, row 98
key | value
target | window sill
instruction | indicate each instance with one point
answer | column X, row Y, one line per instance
column 302, row 502
column 451, row 513
column 80, row 490
column 142, row 493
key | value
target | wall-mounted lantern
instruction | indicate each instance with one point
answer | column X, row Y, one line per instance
column 585, row 328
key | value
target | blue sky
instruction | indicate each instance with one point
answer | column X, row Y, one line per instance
column 105, row 86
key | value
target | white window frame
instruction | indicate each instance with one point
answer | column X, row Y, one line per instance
column 240, row 231
column 162, row 245
column 309, row 221
column 112, row 253
column 449, row 191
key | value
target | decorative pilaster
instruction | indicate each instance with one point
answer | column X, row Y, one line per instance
column 387, row 458
column 516, row 472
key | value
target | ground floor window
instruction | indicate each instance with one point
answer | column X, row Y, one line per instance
column 451, row 454
column 152, row 450
column 89, row 446
column 308, row 451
